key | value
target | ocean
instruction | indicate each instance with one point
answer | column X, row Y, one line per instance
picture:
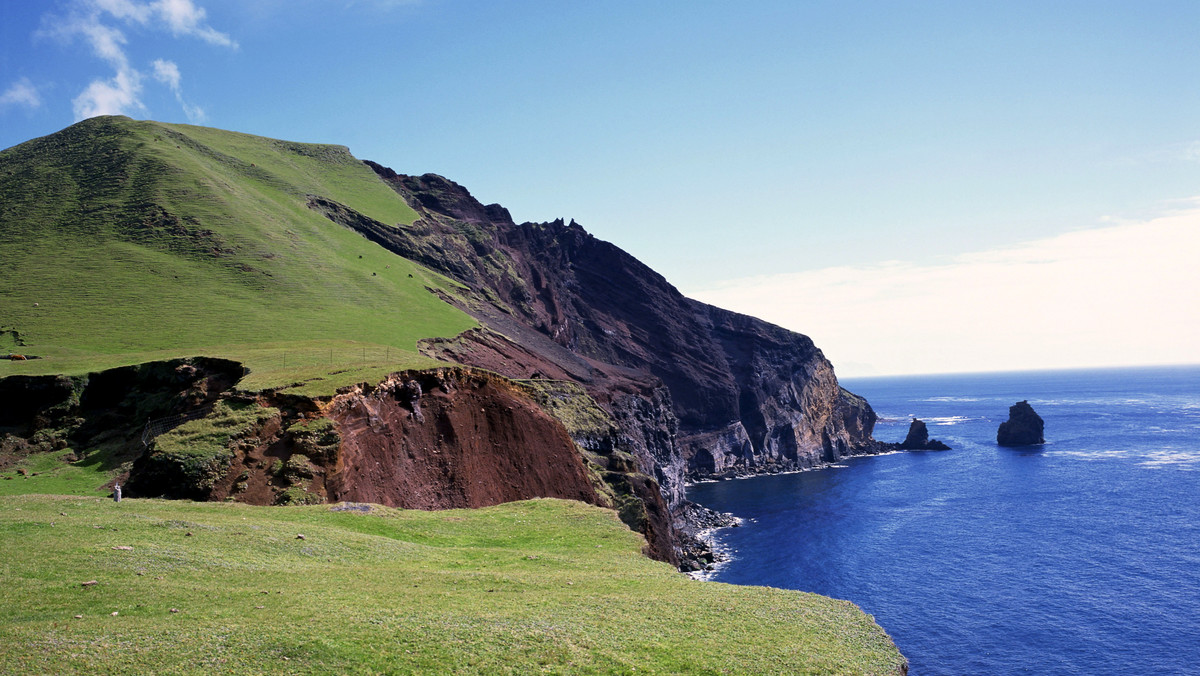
column 1081, row 556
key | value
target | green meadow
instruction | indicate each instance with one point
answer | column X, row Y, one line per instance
column 542, row 586
column 130, row 241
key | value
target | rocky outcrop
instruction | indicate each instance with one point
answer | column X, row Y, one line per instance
column 1024, row 427
column 753, row 396
column 918, row 439
column 104, row 411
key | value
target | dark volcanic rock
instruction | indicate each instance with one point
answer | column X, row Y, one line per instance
column 749, row 396
column 693, row 390
column 1024, row 427
column 918, row 439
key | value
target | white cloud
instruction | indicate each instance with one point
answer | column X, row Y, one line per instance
column 92, row 20
column 1119, row 295
column 21, row 93
column 117, row 96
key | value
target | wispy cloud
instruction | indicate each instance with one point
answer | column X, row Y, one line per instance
column 21, row 93
column 1122, row 294
column 97, row 23
column 167, row 72
column 185, row 18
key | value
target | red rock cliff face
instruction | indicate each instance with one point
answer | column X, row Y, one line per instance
column 451, row 438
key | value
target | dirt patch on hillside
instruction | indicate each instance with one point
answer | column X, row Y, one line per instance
column 451, row 438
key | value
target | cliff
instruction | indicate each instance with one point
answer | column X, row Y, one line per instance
column 694, row 391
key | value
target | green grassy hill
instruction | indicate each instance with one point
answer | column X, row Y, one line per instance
column 542, row 586
column 127, row 241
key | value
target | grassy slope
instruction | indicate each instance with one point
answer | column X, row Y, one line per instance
column 542, row 585
column 142, row 240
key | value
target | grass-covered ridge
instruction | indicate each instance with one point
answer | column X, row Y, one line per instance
column 127, row 241
column 529, row 587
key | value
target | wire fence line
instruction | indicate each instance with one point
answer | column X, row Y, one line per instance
column 162, row 425
column 331, row 356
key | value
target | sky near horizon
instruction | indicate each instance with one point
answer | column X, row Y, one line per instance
column 921, row 187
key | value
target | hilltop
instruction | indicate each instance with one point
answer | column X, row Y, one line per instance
column 131, row 241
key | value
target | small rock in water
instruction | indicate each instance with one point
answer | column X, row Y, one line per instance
column 918, row 439
column 1024, row 427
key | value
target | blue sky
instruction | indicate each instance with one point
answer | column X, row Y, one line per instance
column 863, row 172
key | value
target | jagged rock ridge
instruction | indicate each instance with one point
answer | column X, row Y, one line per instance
column 695, row 391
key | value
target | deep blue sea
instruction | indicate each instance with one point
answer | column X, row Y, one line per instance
column 1078, row 557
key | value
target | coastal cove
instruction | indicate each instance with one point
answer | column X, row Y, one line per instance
column 1078, row 557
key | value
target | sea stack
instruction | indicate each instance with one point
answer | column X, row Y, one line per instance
column 918, row 439
column 1024, row 427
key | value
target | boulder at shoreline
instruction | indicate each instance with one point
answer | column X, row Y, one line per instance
column 918, row 439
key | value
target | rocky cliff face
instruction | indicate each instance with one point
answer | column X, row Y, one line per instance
column 104, row 411
column 694, row 391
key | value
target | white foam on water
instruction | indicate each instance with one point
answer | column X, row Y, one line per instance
column 1172, row 458
column 948, row 420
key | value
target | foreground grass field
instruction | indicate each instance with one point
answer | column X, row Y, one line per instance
column 544, row 586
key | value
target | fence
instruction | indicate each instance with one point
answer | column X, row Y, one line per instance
column 347, row 356
column 160, row 425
